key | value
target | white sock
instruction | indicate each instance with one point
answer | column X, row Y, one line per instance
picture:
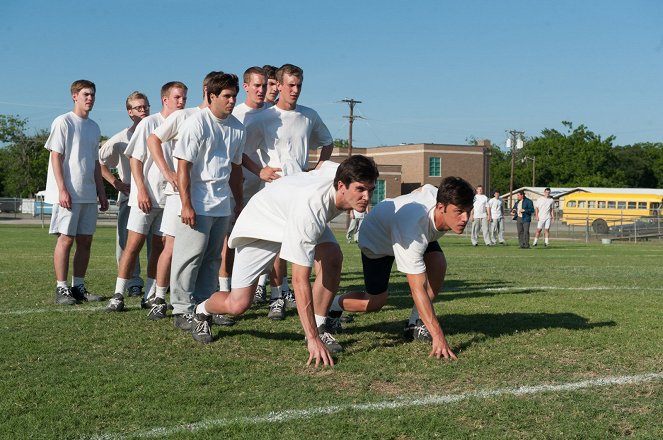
column 336, row 304
column 276, row 292
column 320, row 320
column 150, row 285
column 224, row 284
column 161, row 292
column 414, row 315
column 121, row 285
column 284, row 284
column 201, row 308
column 76, row 281
column 535, row 240
column 61, row 284
column 546, row 240
column 262, row 280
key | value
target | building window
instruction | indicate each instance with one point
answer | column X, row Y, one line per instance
column 434, row 167
column 378, row 193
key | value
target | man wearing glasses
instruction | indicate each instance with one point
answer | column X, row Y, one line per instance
column 111, row 155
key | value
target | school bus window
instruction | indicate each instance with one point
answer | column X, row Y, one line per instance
column 601, row 204
column 591, row 204
column 642, row 205
column 631, row 205
column 621, row 205
column 582, row 204
column 612, row 204
column 571, row 204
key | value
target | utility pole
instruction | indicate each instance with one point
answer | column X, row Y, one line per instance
column 351, row 103
column 515, row 141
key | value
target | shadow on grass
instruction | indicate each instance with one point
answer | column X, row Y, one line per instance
column 484, row 326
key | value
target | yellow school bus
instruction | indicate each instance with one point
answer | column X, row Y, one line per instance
column 602, row 210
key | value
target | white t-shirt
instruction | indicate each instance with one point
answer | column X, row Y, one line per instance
column 293, row 210
column 545, row 206
column 168, row 132
column 480, row 203
column 155, row 182
column 77, row 140
column 288, row 135
column 495, row 206
column 402, row 227
column 210, row 144
column 252, row 148
column 112, row 155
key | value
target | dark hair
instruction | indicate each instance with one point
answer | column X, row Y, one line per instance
column 221, row 82
column 497, row 191
column 356, row 168
column 270, row 71
column 211, row 75
column 455, row 191
column 547, row 189
column 521, row 192
column 255, row 70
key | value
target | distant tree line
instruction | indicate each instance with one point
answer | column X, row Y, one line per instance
column 579, row 157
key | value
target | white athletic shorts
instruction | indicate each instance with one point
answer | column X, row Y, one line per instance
column 171, row 214
column 543, row 224
column 145, row 224
column 81, row 219
column 257, row 258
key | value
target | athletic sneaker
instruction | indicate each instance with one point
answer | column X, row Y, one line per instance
column 223, row 320
column 135, row 291
column 183, row 321
column 260, row 296
column 81, row 294
column 289, row 297
column 200, row 328
column 277, row 309
column 64, row 297
column 417, row 332
column 158, row 310
column 147, row 303
column 116, row 303
column 333, row 325
column 347, row 317
column 329, row 341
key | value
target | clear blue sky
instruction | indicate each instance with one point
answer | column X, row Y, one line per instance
column 426, row 71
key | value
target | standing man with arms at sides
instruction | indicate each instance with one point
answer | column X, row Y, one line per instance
column 209, row 153
column 111, row 155
column 287, row 131
column 272, row 90
column 254, row 83
column 496, row 218
column 480, row 218
column 522, row 212
column 146, row 198
column 406, row 229
column 290, row 217
column 167, row 134
column 545, row 215
column 73, row 185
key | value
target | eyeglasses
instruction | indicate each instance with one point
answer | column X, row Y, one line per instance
column 141, row 108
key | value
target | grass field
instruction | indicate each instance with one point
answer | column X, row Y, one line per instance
column 563, row 342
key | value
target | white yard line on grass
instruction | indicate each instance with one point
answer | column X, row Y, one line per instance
column 435, row 400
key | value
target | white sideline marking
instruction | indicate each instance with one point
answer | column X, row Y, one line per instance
column 67, row 309
column 439, row 400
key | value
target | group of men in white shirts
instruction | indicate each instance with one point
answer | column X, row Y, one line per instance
column 185, row 175
column 488, row 217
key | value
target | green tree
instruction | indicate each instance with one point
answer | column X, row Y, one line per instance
column 23, row 158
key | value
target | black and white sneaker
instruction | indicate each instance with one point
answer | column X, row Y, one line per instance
column 64, row 297
column 333, row 325
column 200, row 328
column 147, row 303
column 260, row 297
column 417, row 332
column 184, row 321
column 135, row 291
column 329, row 341
column 116, row 303
column 158, row 310
column 277, row 309
column 289, row 298
column 223, row 320
column 82, row 295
